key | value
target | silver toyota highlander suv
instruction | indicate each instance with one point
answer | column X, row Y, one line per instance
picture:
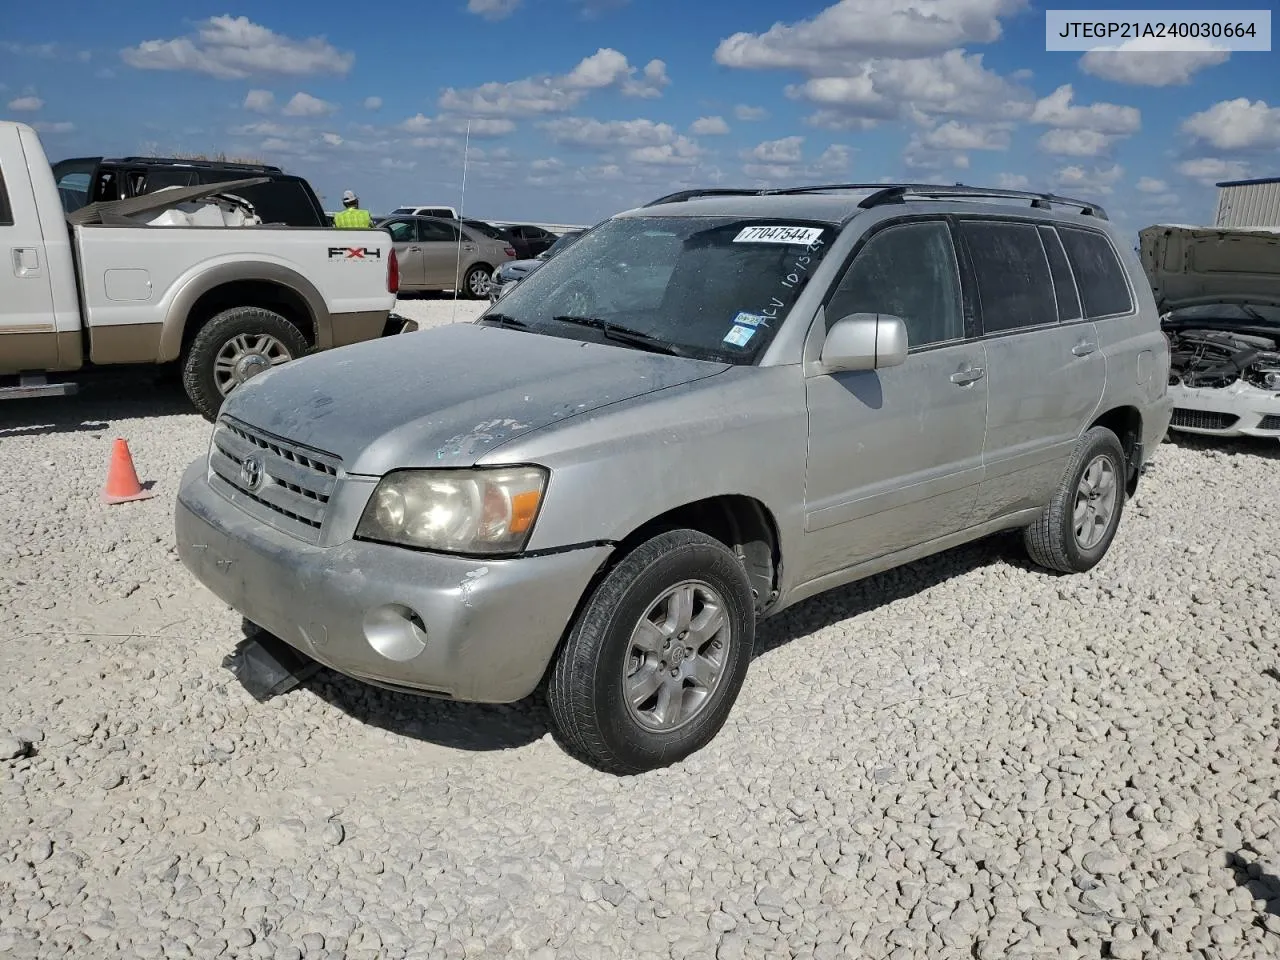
column 704, row 411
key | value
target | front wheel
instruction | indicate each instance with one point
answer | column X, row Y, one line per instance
column 1076, row 529
column 655, row 661
column 234, row 346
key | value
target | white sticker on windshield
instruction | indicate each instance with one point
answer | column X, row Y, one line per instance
column 800, row 236
column 739, row 335
column 751, row 320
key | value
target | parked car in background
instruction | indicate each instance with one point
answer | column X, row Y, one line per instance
column 285, row 199
column 529, row 240
column 600, row 486
column 426, row 210
column 509, row 274
column 439, row 254
column 1218, row 292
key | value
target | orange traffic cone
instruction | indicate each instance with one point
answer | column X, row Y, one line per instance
column 122, row 480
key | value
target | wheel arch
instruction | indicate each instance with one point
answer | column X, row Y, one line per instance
column 267, row 285
column 1126, row 423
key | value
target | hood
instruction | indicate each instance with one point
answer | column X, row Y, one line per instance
column 1194, row 266
column 519, row 269
column 446, row 397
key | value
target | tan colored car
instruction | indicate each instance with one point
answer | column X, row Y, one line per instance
column 439, row 254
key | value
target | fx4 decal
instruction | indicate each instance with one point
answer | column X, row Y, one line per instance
column 354, row 253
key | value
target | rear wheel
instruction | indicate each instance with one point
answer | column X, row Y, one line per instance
column 476, row 283
column 233, row 347
column 655, row 661
column 1076, row 529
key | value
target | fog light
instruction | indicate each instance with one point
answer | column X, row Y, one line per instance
column 395, row 631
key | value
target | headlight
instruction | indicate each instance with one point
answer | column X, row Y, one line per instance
column 489, row 511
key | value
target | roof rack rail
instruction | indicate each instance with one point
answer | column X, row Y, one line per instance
column 897, row 192
column 683, row 195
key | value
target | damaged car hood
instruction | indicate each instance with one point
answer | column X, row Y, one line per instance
column 446, row 397
column 1191, row 266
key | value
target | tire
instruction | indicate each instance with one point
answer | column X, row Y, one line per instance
column 1052, row 541
column 201, row 372
column 587, row 687
column 473, row 277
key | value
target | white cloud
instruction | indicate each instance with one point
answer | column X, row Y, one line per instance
column 61, row 126
column 391, row 163
column 605, row 135
column 785, row 150
column 1151, row 185
column 493, row 9
column 268, row 128
column 709, row 127
column 29, row 104
column 305, row 105
column 651, row 82
column 44, row 51
column 1147, row 62
column 783, row 160
column 1211, row 170
column 680, row 151
column 954, row 84
column 749, row 113
column 556, row 94
column 1236, row 125
column 373, row 103
column 1099, row 180
column 1075, row 143
column 854, row 30
column 232, row 48
column 1057, row 110
column 1012, row 181
column 259, row 101
column 959, row 136
column 481, row 127
column 332, row 139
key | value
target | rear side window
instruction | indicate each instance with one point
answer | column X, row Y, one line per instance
column 1064, row 285
column 1099, row 275
column 6, row 212
column 907, row 271
column 1015, row 287
column 432, row 231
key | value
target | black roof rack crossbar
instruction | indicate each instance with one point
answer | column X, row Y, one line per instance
column 683, row 195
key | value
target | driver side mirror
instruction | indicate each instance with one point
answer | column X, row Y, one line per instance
column 864, row 341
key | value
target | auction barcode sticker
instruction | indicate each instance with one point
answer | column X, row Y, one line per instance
column 800, row 236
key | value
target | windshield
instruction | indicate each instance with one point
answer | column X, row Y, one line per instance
column 401, row 211
column 715, row 288
column 488, row 229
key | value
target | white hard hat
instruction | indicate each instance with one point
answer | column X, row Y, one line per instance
column 349, row 197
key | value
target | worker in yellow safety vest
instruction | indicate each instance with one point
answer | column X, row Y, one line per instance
column 352, row 217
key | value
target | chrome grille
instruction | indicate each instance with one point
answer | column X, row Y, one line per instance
column 284, row 484
column 1202, row 419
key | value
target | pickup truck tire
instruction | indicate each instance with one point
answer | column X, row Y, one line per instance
column 259, row 338
column 475, row 285
column 1076, row 529
column 655, row 660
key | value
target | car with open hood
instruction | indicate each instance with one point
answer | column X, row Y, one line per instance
column 1218, row 292
column 702, row 412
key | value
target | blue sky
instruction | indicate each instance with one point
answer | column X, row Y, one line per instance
column 580, row 108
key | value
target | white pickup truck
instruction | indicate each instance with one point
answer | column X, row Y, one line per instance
column 104, row 286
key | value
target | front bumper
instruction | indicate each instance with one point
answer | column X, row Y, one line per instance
column 1240, row 410
column 478, row 630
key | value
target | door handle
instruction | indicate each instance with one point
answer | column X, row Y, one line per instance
column 415, row 249
column 1084, row 348
column 26, row 261
column 968, row 375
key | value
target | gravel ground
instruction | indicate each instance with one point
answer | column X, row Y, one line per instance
column 962, row 758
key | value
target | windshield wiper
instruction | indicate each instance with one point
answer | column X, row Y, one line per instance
column 632, row 338
column 505, row 320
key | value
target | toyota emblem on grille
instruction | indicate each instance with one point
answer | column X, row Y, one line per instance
column 251, row 473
